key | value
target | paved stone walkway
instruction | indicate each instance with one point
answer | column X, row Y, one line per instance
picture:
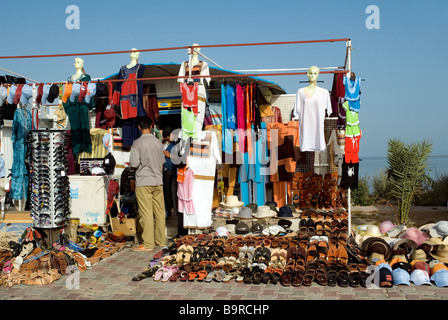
column 110, row 279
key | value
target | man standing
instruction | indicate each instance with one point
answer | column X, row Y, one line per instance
column 147, row 160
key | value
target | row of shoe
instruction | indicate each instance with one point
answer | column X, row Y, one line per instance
column 297, row 259
column 315, row 191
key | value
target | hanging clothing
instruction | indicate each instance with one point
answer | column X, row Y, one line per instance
column 338, row 87
column 98, row 148
column 275, row 114
column 215, row 109
column 78, row 116
column 253, row 173
column 190, row 96
column 287, row 151
column 185, row 193
column 202, row 159
column 150, row 104
column 352, row 92
column 130, row 92
column 231, row 107
column 241, row 117
column 349, row 177
column 21, row 126
column 352, row 149
column 310, row 111
column 201, row 69
column 352, row 121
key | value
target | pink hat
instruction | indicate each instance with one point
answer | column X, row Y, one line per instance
column 414, row 234
column 386, row 226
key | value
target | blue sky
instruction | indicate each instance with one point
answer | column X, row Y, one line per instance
column 404, row 63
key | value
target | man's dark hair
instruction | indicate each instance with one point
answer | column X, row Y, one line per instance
column 166, row 132
column 144, row 123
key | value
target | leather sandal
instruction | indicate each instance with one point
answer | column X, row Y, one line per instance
column 276, row 275
column 267, row 274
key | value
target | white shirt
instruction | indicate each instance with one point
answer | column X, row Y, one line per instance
column 204, row 168
column 310, row 111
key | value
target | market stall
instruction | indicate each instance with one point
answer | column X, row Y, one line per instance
column 260, row 180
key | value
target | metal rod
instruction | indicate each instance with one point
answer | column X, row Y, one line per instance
column 16, row 74
column 171, row 48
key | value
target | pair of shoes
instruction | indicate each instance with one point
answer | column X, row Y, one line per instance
column 141, row 248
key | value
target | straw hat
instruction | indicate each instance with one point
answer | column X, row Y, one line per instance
column 441, row 254
column 419, row 255
column 373, row 231
column 232, row 202
column 264, row 212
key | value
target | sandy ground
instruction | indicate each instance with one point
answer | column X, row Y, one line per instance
column 418, row 216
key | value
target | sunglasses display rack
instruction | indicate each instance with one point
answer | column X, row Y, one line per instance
column 49, row 182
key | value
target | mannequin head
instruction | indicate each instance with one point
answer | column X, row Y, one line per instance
column 267, row 94
column 134, row 55
column 313, row 74
column 195, row 50
column 79, row 63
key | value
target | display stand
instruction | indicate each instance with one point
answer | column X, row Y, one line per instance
column 49, row 183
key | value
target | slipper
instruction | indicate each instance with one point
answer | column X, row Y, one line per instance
column 220, row 274
column 250, row 253
column 147, row 273
column 276, row 275
column 202, row 275
column 210, row 276
column 342, row 278
column 169, row 271
column 229, row 276
column 176, row 275
column 183, row 276
column 192, row 275
column 159, row 274
column 267, row 274
column 180, row 253
column 82, row 263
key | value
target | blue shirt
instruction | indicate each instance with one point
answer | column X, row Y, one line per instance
column 168, row 165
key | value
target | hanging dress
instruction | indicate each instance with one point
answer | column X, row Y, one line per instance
column 352, row 90
column 19, row 174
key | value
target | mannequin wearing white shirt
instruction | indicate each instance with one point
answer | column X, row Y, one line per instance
column 312, row 74
column 311, row 106
column 135, row 55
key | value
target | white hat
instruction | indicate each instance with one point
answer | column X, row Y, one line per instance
column 439, row 229
column 373, row 231
column 264, row 212
column 396, row 231
column 232, row 202
column 419, row 277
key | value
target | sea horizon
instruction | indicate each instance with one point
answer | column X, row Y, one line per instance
column 373, row 166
